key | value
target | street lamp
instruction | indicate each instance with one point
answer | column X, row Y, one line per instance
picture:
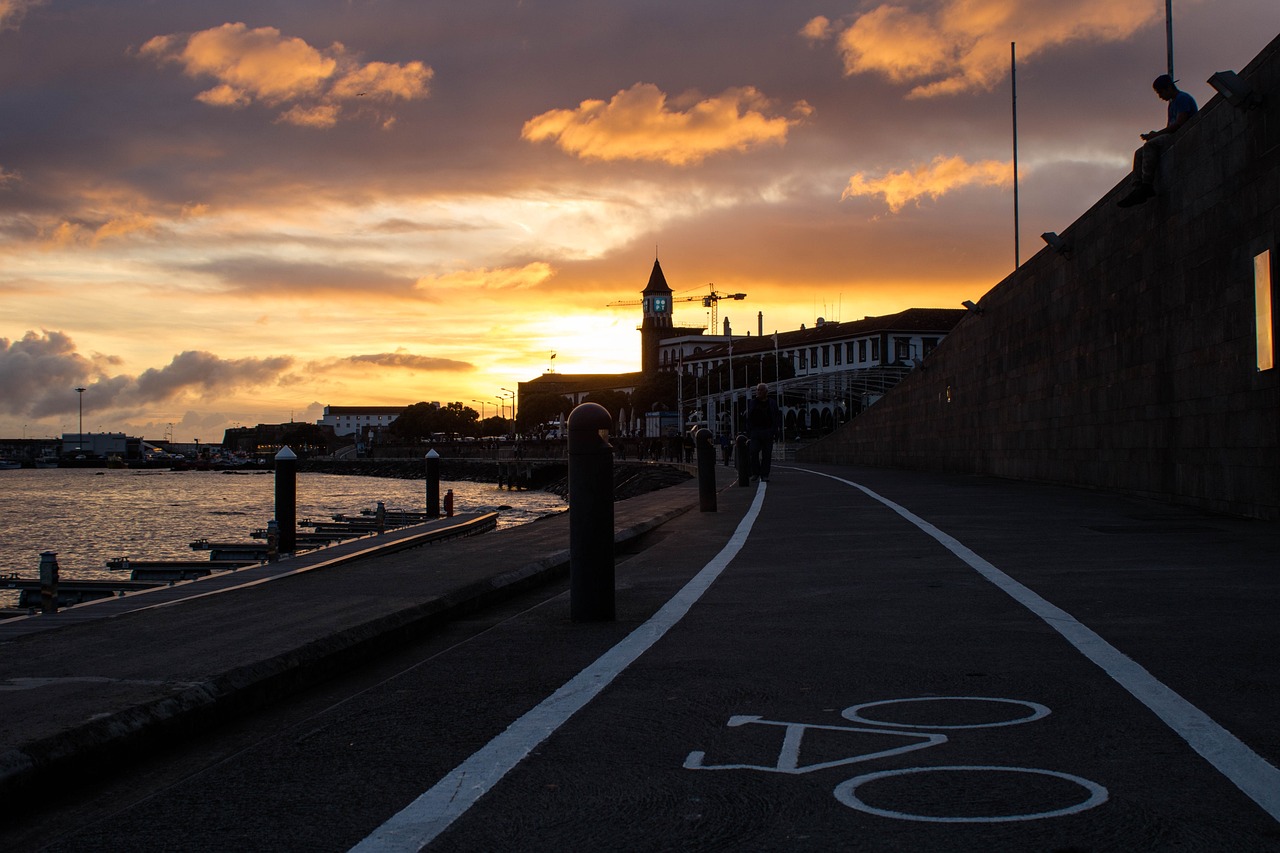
column 513, row 408
column 482, row 405
column 80, row 434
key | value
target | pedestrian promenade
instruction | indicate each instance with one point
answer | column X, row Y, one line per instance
column 838, row 659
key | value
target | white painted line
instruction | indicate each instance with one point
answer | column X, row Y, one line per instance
column 419, row 823
column 1247, row 770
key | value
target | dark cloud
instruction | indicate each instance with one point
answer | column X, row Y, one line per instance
column 40, row 372
column 256, row 276
column 408, row 361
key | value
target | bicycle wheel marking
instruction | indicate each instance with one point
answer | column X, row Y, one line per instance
column 854, row 715
column 924, row 736
column 846, row 793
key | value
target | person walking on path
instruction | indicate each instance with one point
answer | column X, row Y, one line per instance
column 1147, row 158
column 726, row 448
column 764, row 423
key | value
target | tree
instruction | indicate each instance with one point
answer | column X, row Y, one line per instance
column 613, row 401
column 537, row 409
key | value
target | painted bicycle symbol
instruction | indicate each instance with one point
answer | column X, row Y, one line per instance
column 900, row 738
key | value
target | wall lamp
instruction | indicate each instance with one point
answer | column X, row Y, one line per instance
column 1062, row 247
column 972, row 306
column 1237, row 92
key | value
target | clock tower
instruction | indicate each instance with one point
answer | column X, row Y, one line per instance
column 657, row 319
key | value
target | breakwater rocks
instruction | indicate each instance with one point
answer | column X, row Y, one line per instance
column 629, row 478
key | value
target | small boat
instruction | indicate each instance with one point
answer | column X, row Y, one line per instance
column 9, row 464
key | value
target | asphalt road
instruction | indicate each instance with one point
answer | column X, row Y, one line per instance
column 846, row 681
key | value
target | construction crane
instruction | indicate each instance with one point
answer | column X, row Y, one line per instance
column 709, row 300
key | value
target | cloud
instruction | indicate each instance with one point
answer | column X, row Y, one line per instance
column 506, row 278
column 638, row 124
column 263, row 65
column 204, row 372
column 407, row 361
column 67, row 233
column 941, row 176
column 13, row 11
column 963, row 45
column 40, row 372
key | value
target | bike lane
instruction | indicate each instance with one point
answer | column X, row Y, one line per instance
column 849, row 683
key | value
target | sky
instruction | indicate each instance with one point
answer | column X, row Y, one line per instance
column 224, row 214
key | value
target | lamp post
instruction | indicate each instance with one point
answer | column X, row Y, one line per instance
column 513, row 408
column 80, row 434
column 482, row 405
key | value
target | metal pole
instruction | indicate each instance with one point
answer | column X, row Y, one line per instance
column 591, row 569
column 706, row 471
column 1013, row 77
column 287, row 499
column 433, row 484
column 48, row 581
column 1168, row 32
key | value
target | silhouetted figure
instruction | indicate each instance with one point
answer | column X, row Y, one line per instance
column 1147, row 158
column 764, row 424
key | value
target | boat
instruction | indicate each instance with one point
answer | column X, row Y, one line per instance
column 9, row 464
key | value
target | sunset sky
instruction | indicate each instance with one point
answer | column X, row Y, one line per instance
column 226, row 213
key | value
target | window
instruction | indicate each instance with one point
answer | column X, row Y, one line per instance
column 826, row 356
column 1262, row 310
column 862, row 350
column 875, row 349
column 838, row 353
column 928, row 345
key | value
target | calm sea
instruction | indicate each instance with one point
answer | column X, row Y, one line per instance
column 89, row 516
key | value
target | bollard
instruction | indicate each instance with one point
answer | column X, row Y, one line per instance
column 273, row 541
column 448, row 504
column 744, row 461
column 381, row 517
column 591, row 583
column 706, row 470
column 287, row 500
column 433, row 484
column 48, row 581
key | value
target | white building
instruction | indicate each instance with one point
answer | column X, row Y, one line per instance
column 358, row 420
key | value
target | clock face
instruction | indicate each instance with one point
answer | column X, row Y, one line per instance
column 660, row 303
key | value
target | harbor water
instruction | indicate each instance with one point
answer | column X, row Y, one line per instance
column 89, row 516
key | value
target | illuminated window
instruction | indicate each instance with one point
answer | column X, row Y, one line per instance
column 1262, row 303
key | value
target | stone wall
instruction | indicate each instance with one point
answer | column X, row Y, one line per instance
column 1129, row 363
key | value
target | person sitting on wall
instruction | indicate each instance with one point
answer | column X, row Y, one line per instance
column 1147, row 158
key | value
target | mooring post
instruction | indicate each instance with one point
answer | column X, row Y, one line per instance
column 287, row 500
column 48, row 581
column 706, row 470
column 744, row 461
column 433, row 484
column 591, row 583
column 273, row 541
column 381, row 517
column 448, row 503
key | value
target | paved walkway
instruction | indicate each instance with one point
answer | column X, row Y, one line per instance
column 862, row 659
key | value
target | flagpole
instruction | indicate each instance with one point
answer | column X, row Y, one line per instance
column 1013, row 77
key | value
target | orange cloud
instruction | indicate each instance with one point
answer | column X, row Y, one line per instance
column 508, row 278
column 13, row 11
column 262, row 65
column 963, row 45
column 66, row 234
column 638, row 124
column 941, row 176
